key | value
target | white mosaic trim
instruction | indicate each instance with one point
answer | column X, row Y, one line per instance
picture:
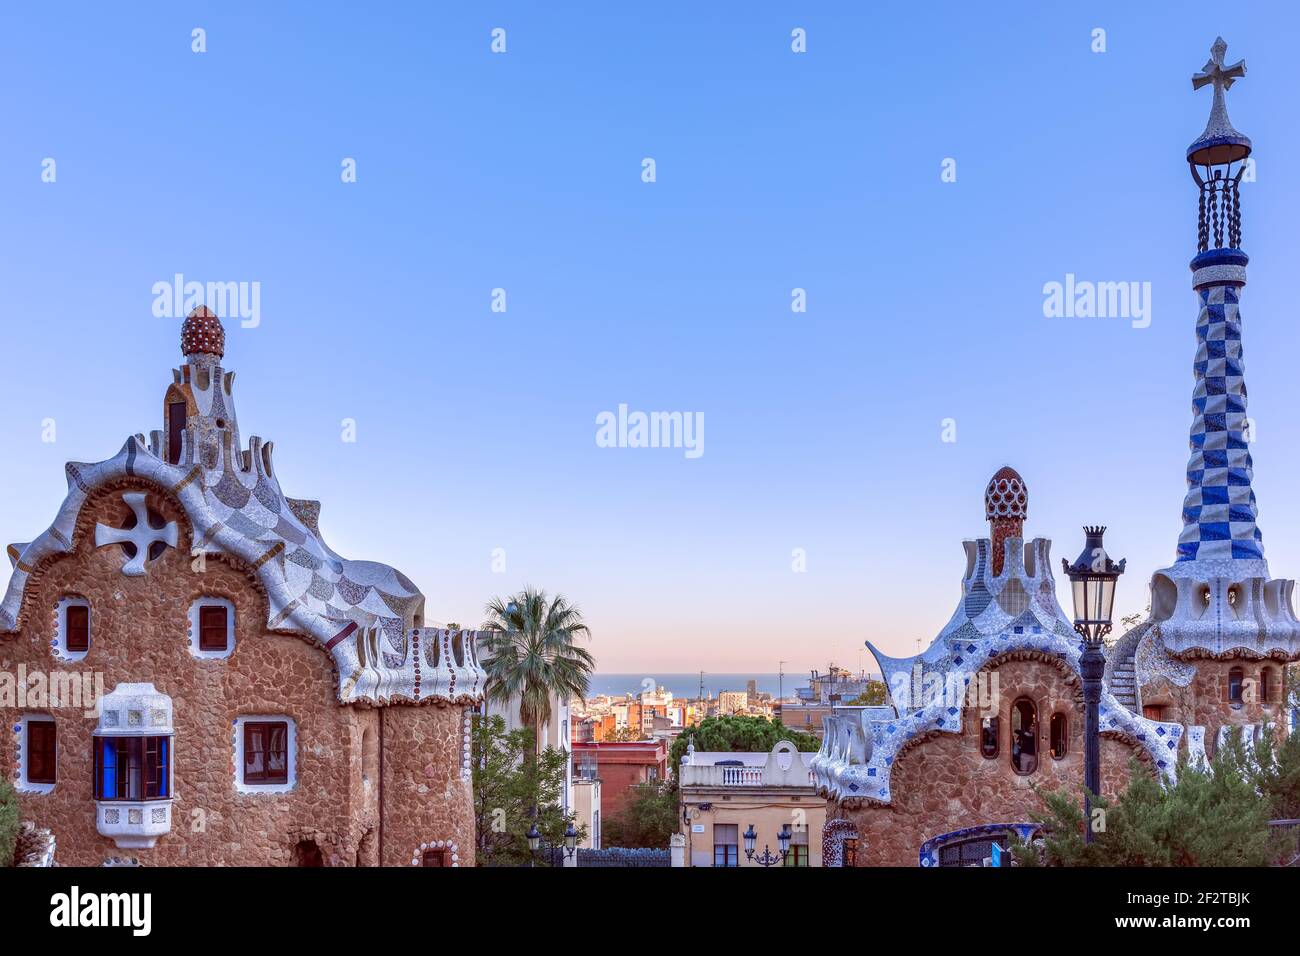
column 291, row 746
column 59, row 644
column 21, row 783
column 417, row 858
column 466, row 744
column 193, row 632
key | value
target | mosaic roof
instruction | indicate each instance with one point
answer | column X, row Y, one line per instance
column 363, row 612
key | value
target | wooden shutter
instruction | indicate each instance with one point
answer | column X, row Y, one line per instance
column 40, row 751
column 212, row 629
column 77, row 621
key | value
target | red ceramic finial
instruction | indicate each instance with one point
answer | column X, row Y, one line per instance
column 202, row 333
column 1006, row 504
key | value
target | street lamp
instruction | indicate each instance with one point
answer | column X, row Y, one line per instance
column 535, row 841
column 767, row 858
column 570, row 840
column 1092, row 585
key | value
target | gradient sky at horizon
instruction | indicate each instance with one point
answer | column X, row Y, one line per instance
column 476, row 430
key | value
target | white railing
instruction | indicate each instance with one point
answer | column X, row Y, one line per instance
column 714, row 776
column 742, row 776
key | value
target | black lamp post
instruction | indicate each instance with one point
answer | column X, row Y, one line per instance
column 535, row 841
column 1092, row 584
column 767, row 858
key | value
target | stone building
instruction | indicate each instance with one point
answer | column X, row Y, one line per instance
column 994, row 705
column 201, row 680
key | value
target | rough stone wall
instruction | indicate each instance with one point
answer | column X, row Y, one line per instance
column 426, row 801
column 943, row 783
column 1204, row 702
column 139, row 631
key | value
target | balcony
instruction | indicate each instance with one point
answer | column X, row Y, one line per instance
column 784, row 767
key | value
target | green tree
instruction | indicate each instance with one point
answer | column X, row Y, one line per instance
column 875, row 695
column 8, row 822
column 647, row 820
column 533, row 654
column 511, row 780
column 1211, row 816
column 738, row 733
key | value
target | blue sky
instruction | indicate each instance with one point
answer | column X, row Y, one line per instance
column 476, row 429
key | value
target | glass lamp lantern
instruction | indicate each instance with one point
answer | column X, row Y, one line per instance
column 1092, row 586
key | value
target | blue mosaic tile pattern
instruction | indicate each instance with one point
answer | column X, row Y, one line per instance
column 1219, row 512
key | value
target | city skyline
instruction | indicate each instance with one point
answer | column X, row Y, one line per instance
column 775, row 171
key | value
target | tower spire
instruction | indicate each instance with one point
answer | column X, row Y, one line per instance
column 1219, row 513
column 1006, row 505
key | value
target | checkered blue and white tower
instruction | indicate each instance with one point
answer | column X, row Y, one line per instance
column 1219, row 515
column 1217, row 596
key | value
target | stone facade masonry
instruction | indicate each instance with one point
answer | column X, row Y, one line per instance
column 942, row 783
column 139, row 633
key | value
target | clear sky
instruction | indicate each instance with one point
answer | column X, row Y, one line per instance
column 476, row 430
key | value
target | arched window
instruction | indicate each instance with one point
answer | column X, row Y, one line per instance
column 1058, row 735
column 989, row 737
column 1024, row 736
column 1235, row 680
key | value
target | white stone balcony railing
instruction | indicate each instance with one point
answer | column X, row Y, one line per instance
column 783, row 768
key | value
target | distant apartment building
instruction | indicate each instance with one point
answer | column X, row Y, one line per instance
column 809, row 717
column 619, row 767
column 722, row 795
column 595, row 728
column 733, row 702
column 835, row 686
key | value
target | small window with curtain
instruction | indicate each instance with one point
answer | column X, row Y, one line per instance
column 726, row 844
column 266, row 752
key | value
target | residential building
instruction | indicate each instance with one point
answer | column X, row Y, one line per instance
column 621, row 766
column 722, row 795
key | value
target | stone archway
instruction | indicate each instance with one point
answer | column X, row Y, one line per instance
column 308, row 853
column 834, row 835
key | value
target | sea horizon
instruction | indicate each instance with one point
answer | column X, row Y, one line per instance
column 688, row 684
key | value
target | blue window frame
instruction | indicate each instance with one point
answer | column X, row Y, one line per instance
column 132, row 768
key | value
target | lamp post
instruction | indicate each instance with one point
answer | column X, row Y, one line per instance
column 535, row 841
column 1092, row 585
column 767, row 858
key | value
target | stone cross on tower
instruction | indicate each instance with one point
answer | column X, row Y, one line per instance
column 1220, row 142
column 1215, row 72
column 141, row 536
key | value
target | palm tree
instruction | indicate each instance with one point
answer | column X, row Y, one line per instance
column 533, row 654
